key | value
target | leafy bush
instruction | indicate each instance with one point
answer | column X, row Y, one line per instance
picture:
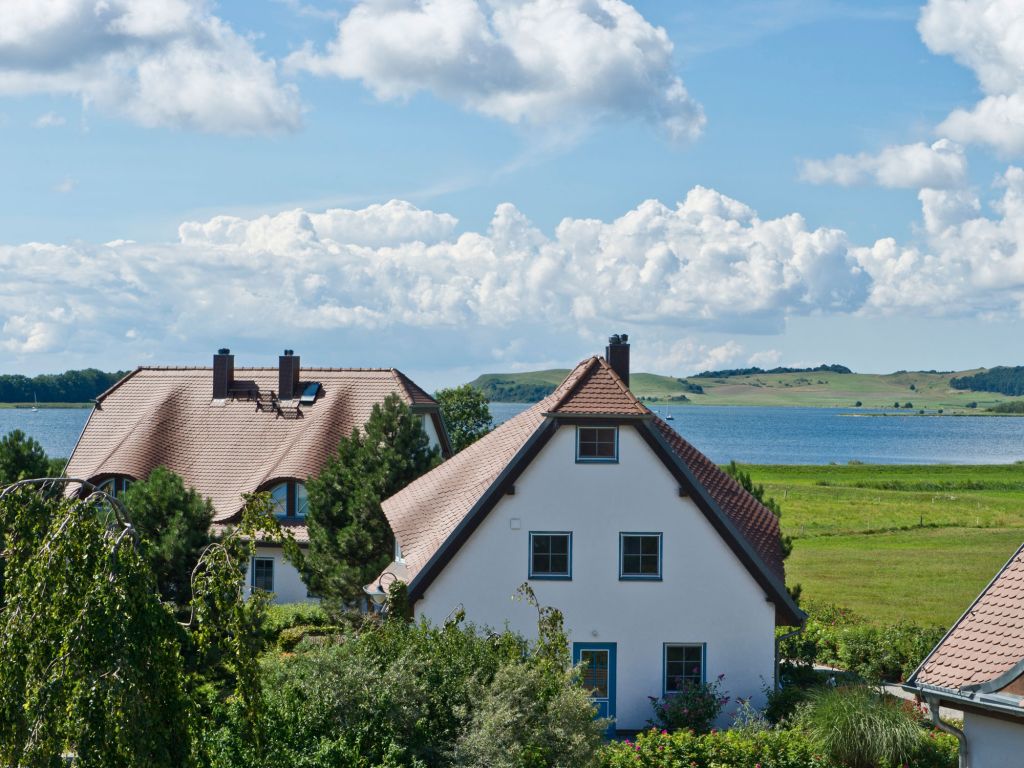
column 695, row 707
column 725, row 749
column 783, row 702
column 856, row 727
column 528, row 718
column 838, row 637
column 289, row 638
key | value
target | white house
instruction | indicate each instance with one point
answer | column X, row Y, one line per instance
column 665, row 568
column 978, row 667
column 229, row 431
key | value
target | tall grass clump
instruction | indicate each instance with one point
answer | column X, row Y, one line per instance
column 856, row 727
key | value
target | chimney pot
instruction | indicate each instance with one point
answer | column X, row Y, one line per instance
column 288, row 375
column 617, row 355
column 223, row 373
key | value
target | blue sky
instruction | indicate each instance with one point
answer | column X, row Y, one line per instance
column 828, row 182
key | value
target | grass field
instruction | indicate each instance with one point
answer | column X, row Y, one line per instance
column 930, row 391
column 892, row 542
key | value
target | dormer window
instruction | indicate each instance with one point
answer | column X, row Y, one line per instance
column 289, row 500
column 597, row 444
column 116, row 485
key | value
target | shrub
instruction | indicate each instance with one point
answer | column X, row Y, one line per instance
column 526, row 717
column 695, row 707
column 289, row 638
column 856, row 727
column 725, row 749
column 783, row 702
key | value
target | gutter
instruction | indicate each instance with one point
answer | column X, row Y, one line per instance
column 933, row 709
column 778, row 661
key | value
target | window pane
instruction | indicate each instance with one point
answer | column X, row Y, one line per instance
column 641, row 555
column 279, row 499
column 596, row 442
column 263, row 573
column 595, row 673
column 683, row 666
column 549, row 554
column 301, row 500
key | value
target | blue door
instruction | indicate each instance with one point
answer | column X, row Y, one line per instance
column 598, row 663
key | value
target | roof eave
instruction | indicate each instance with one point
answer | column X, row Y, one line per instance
column 791, row 615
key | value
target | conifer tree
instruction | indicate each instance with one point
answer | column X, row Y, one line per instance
column 350, row 541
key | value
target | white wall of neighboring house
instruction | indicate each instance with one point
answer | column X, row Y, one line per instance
column 706, row 595
column 428, row 427
column 993, row 743
column 288, row 585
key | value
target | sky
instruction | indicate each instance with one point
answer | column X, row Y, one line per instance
column 453, row 187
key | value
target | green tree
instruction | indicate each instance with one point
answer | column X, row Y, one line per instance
column 174, row 523
column 91, row 661
column 350, row 541
column 21, row 458
column 466, row 414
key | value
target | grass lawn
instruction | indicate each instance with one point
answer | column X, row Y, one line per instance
column 891, row 542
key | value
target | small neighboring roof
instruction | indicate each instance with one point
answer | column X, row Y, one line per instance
column 432, row 513
column 166, row 417
column 984, row 650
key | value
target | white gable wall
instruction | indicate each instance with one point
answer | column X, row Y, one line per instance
column 706, row 596
column 993, row 743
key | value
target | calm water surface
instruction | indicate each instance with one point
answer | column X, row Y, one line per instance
column 765, row 435
column 56, row 429
column 758, row 435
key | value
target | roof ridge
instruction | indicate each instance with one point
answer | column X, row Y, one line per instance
column 621, row 384
column 576, row 383
column 261, row 368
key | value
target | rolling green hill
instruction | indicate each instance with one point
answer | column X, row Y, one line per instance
column 927, row 390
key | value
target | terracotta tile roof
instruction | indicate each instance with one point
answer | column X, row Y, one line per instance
column 599, row 391
column 987, row 641
column 166, row 416
column 755, row 522
column 426, row 513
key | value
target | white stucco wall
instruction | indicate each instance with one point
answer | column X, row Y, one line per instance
column 288, row 585
column 993, row 743
column 428, row 427
column 706, row 595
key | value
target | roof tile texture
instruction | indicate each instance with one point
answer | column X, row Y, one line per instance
column 988, row 640
column 166, row 417
column 425, row 513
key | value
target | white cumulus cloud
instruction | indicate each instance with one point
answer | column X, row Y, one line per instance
column 158, row 62
column 909, row 166
column 535, row 61
column 988, row 37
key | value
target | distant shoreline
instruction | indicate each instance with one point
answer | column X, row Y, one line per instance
column 41, row 406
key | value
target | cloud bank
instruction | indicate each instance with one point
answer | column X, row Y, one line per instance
column 158, row 62
column 986, row 36
column 543, row 62
column 707, row 264
column 908, row 166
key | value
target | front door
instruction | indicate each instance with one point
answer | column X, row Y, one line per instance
column 598, row 665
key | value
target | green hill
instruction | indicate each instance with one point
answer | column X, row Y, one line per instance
column 922, row 389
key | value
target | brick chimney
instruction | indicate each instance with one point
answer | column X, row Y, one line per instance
column 223, row 373
column 288, row 376
column 617, row 355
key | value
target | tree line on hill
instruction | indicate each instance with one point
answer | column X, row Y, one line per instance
column 68, row 387
column 726, row 373
column 1005, row 380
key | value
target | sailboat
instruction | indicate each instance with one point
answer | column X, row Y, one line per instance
column 35, row 404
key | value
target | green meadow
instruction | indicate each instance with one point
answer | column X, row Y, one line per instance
column 897, row 542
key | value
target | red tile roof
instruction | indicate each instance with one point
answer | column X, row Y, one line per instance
column 988, row 640
column 166, row 417
column 425, row 514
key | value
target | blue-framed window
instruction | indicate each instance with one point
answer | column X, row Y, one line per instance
column 289, row 500
column 640, row 556
column 263, row 573
column 597, row 444
column 683, row 664
column 550, row 555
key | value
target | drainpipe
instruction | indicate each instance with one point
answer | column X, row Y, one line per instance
column 933, row 708
column 778, row 661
